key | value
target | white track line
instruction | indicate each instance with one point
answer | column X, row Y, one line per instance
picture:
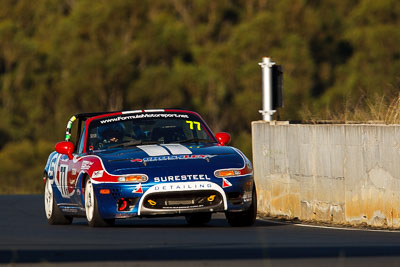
column 329, row 227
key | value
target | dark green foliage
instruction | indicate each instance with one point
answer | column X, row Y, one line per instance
column 62, row 57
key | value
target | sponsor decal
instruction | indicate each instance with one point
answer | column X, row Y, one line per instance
column 138, row 189
column 86, row 165
column 142, row 116
column 97, row 174
column 182, row 187
column 225, row 183
column 52, row 166
column 51, row 169
column 195, row 123
column 186, row 177
column 73, row 171
column 173, row 157
column 62, row 182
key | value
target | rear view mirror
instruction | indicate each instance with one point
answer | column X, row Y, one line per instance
column 65, row 148
column 223, row 138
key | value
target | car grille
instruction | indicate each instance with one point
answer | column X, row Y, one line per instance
column 183, row 200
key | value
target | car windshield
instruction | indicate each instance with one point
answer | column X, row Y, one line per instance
column 147, row 128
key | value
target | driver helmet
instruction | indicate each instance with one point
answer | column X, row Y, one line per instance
column 112, row 132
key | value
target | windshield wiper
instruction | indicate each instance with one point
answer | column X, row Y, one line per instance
column 195, row 140
column 134, row 143
column 149, row 143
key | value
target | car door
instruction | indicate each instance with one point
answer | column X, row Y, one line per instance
column 62, row 178
column 78, row 165
column 67, row 174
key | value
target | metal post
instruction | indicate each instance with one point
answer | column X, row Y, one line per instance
column 266, row 66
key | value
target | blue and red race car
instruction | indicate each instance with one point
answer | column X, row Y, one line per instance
column 147, row 163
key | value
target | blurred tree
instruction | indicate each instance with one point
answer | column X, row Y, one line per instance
column 372, row 30
column 62, row 57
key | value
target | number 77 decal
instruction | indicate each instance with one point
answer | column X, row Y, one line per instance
column 194, row 122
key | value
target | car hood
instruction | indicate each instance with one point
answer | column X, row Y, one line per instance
column 171, row 159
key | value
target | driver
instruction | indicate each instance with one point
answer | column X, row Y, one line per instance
column 112, row 134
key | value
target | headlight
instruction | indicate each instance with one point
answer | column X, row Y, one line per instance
column 225, row 173
column 134, row 178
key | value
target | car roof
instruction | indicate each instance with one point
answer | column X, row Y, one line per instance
column 84, row 116
column 92, row 114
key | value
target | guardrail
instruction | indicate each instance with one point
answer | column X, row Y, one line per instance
column 343, row 174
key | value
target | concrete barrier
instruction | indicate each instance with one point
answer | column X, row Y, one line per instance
column 344, row 174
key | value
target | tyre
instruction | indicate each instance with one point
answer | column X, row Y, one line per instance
column 91, row 207
column 244, row 218
column 53, row 213
column 198, row 219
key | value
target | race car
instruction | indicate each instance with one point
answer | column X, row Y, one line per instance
column 146, row 163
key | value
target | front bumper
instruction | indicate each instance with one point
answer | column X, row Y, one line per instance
column 175, row 198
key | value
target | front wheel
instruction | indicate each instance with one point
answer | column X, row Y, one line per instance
column 92, row 211
column 244, row 218
column 53, row 213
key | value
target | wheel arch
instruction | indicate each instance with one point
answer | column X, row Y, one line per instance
column 45, row 176
column 85, row 177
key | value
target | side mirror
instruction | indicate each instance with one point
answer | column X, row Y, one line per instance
column 65, row 148
column 223, row 138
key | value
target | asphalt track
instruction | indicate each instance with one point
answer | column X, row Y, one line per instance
column 26, row 239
